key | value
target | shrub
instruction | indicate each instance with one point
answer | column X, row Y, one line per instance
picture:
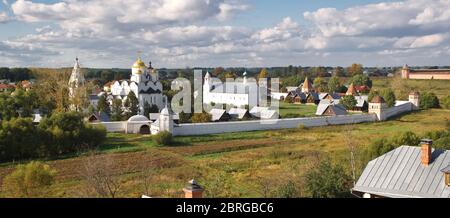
column 446, row 102
column 29, row 180
column 163, row 138
column 288, row 190
column 201, row 118
column 428, row 100
column 327, row 181
column 407, row 138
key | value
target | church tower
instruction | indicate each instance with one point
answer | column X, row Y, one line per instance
column 405, row 72
column 76, row 79
column 138, row 71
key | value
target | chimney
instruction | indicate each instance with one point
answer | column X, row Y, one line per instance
column 426, row 151
column 193, row 190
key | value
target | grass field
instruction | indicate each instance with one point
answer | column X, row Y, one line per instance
column 297, row 110
column 439, row 87
column 230, row 165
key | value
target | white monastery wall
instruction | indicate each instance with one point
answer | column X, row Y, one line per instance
column 242, row 126
column 401, row 108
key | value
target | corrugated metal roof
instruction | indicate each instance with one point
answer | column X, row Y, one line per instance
column 400, row 174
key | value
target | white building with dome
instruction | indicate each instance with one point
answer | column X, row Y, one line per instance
column 145, row 84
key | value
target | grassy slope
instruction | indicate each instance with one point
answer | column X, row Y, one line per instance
column 237, row 161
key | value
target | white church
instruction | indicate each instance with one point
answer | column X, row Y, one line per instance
column 144, row 83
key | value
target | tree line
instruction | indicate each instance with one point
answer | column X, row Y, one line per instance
column 61, row 133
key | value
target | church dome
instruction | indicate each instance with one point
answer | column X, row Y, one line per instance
column 138, row 118
column 139, row 64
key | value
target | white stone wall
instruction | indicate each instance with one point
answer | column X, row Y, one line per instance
column 242, row 126
column 400, row 108
column 113, row 126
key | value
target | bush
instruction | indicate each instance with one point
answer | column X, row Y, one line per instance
column 19, row 138
column 29, row 180
column 328, row 181
column 288, row 190
column 428, row 100
column 446, row 102
column 377, row 148
column 62, row 133
column 163, row 138
column 201, row 118
column 407, row 138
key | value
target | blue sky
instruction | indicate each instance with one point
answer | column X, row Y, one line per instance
column 209, row 33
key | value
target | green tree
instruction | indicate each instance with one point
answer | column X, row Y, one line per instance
column 339, row 72
column 389, row 96
column 428, row 100
column 407, row 138
column 117, row 110
column 19, row 138
column 320, row 84
column 361, row 80
column 355, row 69
column 150, row 108
column 131, row 105
column 29, row 180
column 349, row 102
column 372, row 94
column 103, row 105
column 327, row 181
column 377, row 148
column 334, row 84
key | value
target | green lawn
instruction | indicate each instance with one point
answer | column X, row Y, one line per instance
column 297, row 110
column 232, row 164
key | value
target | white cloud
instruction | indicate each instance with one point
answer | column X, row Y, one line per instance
column 283, row 31
column 4, row 17
column 394, row 18
column 179, row 33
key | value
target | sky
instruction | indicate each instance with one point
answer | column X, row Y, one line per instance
column 227, row 33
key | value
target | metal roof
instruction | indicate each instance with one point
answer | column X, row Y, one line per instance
column 217, row 114
column 400, row 174
column 238, row 113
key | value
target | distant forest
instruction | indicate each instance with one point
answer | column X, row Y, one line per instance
column 102, row 76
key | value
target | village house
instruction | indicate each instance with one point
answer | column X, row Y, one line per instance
column 330, row 108
column 6, row 87
column 407, row 172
